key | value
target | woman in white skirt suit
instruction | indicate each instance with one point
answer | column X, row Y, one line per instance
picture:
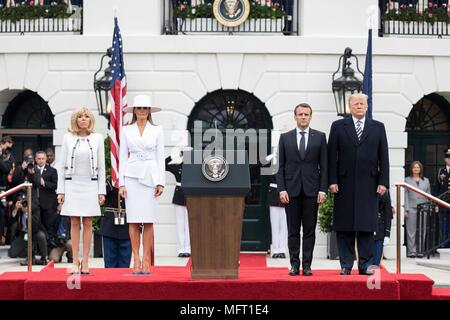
column 81, row 181
column 141, row 176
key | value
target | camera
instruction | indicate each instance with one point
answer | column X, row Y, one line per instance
column 30, row 162
column 23, row 200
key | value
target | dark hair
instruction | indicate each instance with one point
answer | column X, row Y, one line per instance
column 149, row 118
column 302, row 105
column 420, row 166
column 49, row 150
column 6, row 139
column 41, row 152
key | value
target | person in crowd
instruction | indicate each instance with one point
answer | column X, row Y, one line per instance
column 141, row 176
column 6, row 163
column 63, row 242
column 358, row 162
column 81, row 181
column 412, row 199
column 383, row 232
column 116, row 237
column 50, row 157
column 302, row 184
column 47, row 194
column 443, row 187
column 175, row 165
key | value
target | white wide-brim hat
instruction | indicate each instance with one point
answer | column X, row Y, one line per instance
column 142, row 100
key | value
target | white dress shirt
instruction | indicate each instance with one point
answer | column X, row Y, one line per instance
column 363, row 120
column 299, row 137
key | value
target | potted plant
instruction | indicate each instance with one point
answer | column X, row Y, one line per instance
column 326, row 225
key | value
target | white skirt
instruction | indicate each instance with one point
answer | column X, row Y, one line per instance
column 81, row 198
column 141, row 203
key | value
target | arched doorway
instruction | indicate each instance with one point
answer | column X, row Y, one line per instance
column 238, row 109
column 30, row 122
column 428, row 127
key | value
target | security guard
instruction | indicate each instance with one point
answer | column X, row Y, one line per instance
column 443, row 186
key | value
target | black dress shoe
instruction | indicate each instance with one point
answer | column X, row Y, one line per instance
column 282, row 256
column 187, row 255
column 42, row 262
column 365, row 272
column 345, row 272
column 294, row 271
column 307, row 272
column 275, row 255
column 181, row 255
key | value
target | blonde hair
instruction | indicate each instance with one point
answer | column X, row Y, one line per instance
column 357, row 95
column 74, row 128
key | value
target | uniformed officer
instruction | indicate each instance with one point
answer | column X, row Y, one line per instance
column 174, row 165
column 278, row 221
column 443, row 186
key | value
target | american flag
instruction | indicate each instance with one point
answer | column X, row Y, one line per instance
column 119, row 97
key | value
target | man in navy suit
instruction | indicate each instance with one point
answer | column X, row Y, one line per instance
column 302, row 184
column 358, row 163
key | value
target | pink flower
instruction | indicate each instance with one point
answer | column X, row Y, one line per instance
column 430, row 4
column 448, row 14
column 430, row 15
column 403, row 6
column 435, row 5
column 181, row 7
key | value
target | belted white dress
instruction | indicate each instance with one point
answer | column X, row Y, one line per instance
column 142, row 168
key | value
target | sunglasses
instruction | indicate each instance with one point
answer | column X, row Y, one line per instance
column 142, row 108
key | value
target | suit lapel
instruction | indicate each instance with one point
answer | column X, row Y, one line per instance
column 311, row 140
column 293, row 141
column 367, row 129
column 351, row 131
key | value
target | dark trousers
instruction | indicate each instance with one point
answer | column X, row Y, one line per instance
column 346, row 247
column 301, row 211
column 444, row 222
column 19, row 246
column 117, row 253
column 377, row 252
column 49, row 219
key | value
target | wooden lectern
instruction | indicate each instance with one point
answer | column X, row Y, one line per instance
column 215, row 210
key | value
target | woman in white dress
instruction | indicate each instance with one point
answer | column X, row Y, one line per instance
column 81, row 181
column 141, row 177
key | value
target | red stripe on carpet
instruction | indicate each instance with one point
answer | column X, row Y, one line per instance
column 175, row 283
column 441, row 294
column 414, row 286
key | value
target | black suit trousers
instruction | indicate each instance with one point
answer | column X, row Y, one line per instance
column 346, row 247
column 301, row 212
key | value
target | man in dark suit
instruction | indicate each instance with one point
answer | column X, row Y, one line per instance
column 302, row 184
column 358, row 163
column 47, row 194
column 443, row 186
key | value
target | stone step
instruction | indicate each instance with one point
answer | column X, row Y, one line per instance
column 4, row 251
column 444, row 254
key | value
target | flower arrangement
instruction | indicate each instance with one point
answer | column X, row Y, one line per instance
column 258, row 10
column 29, row 11
column 409, row 13
column 325, row 219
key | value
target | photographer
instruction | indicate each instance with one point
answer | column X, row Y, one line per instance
column 6, row 162
column 62, row 243
column 20, row 231
column 28, row 173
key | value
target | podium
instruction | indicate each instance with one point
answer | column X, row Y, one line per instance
column 215, row 198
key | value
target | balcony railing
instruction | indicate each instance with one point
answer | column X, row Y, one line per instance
column 415, row 18
column 47, row 18
column 196, row 17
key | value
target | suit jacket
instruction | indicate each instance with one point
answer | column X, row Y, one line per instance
column 47, row 194
column 358, row 167
column 66, row 165
column 412, row 199
column 310, row 173
column 142, row 157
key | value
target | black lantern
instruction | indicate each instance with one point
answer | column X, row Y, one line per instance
column 346, row 84
column 102, row 87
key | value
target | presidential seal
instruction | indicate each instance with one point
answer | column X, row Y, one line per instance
column 231, row 13
column 215, row 168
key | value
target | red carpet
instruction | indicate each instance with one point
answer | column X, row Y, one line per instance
column 256, row 282
column 441, row 294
